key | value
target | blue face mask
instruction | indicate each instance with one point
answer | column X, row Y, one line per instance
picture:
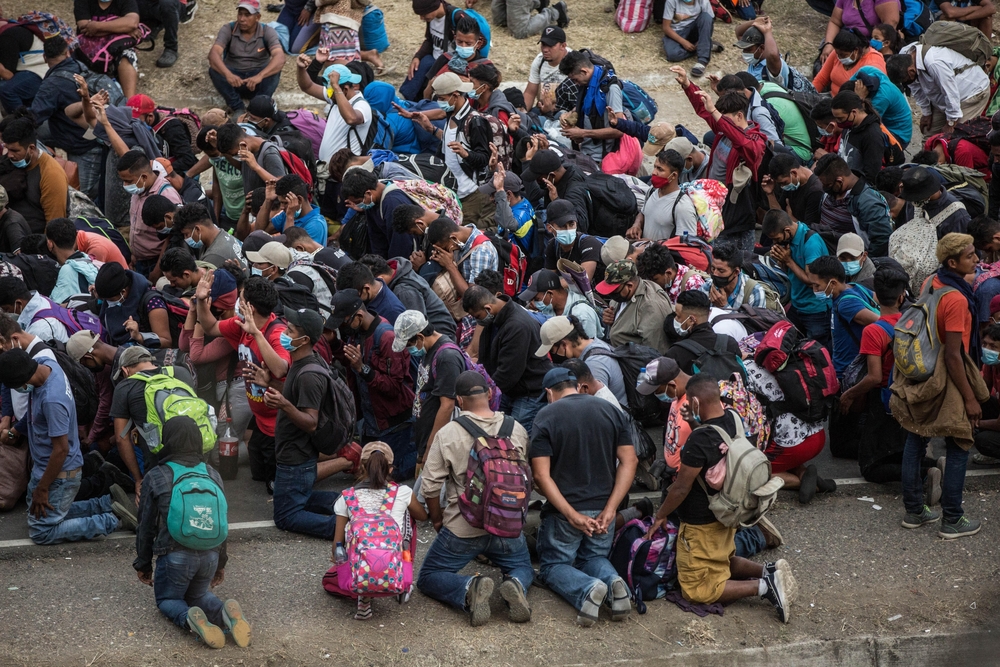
column 26, row 389
column 566, row 236
column 877, row 44
column 286, row 342
column 465, row 51
column 416, row 352
column 132, row 188
column 823, row 132
column 822, row 296
column 663, row 398
column 254, row 271
column 851, row 268
column 445, row 107
column 791, row 187
column 366, row 207
column 544, row 310
column 194, row 244
column 991, row 357
column 20, row 164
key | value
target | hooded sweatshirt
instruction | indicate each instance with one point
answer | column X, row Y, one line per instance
column 75, row 277
column 380, row 96
column 416, row 294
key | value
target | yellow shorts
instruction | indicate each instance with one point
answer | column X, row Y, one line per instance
column 703, row 554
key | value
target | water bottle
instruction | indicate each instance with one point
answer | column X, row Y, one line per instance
column 229, row 452
column 340, row 555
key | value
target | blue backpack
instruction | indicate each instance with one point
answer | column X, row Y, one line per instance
column 484, row 27
column 638, row 101
column 198, row 514
column 380, row 135
column 916, row 18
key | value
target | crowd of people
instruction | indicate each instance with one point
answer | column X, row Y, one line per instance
column 469, row 297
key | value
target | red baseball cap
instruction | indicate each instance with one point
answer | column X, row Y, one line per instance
column 141, row 104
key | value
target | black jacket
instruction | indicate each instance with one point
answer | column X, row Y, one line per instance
column 475, row 133
column 416, row 294
column 572, row 187
column 864, row 148
column 175, row 143
column 507, row 350
column 703, row 334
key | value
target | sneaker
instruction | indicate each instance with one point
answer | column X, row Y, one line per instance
column 118, row 495
column 964, row 527
column 621, row 605
column 167, row 58
column 645, row 507
column 269, row 487
column 932, row 487
column 791, row 586
column 477, row 600
column 807, row 486
column 563, row 19
column 587, row 615
column 717, row 47
column 775, row 593
column 207, row 631
column 542, row 4
column 518, row 610
column 644, row 478
column 238, row 626
column 825, row 485
column 983, row 460
column 188, row 11
column 94, row 458
column 117, row 477
column 125, row 516
column 772, row 538
column 917, row 520
column 698, row 71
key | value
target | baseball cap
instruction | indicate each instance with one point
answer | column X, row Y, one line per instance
column 308, row 322
column 448, row 83
column 141, row 104
column 554, row 330
column 542, row 163
column 345, row 303
column 345, row 75
column 81, row 344
column 552, row 35
column 614, row 249
column 258, row 239
column 852, row 244
column 752, row 37
column 408, row 324
column 376, row 446
column 541, row 281
column 657, row 372
column 272, row 252
column 660, row 134
column 252, row 6
column 261, row 106
column 682, row 145
column 511, row 182
column 129, row 357
column 555, row 376
column 470, row 383
column 561, row 212
column 617, row 274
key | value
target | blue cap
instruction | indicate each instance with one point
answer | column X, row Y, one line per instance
column 555, row 376
column 346, row 75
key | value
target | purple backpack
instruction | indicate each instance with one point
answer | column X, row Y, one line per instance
column 73, row 320
column 648, row 566
column 101, row 54
column 310, row 125
column 470, row 365
column 497, row 481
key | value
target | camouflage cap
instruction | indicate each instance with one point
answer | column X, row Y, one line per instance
column 617, row 274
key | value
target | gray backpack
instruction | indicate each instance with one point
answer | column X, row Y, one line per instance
column 916, row 344
column 748, row 490
column 961, row 38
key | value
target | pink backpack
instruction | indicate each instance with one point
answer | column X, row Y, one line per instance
column 310, row 125
column 987, row 271
column 377, row 564
column 634, row 15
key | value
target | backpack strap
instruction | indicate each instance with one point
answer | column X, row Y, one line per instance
column 472, row 428
column 889, row 330
column 694, row 348
column 948, row 210
column 450, row 346
column 352, row 501
column 390, row 497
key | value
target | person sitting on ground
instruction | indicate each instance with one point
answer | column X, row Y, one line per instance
column 209, row 244
column 569, row 242
column 922, row 187
column 889, row 102
column 695, row 158
column 458, row 543
column 707, row 570
column 857, row 19
column 438, row 37
column 658, row 265
column 684, row 21
column 185, row 576
column 886, row 39
column 645, row 307
column 844, row 54
column 758, row 111
column 583, row 461
column 261, row 160
column 53, row 516
column 467, row 54
column 13, row 226
column 350, row 116
column 44, row 197
column 690, row 323
column 515, row 216
column 854, row 308
column 544, row 77
column 858, row 266
column 852, row 204
column 988, row 434
column 182, row 272
column 246, row 58
column 558, row 180
column 731, row 287
column 863, row 144
column 563, row 336
column 291, row 197
column 667, row 212
column 522, row 24
column 562, row 299
column 141, row 182
column 463, row 252
column 977, row 13
column 413, row 292
column 21, row 75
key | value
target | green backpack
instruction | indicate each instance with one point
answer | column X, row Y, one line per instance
column 197, row 518
column 168, row 397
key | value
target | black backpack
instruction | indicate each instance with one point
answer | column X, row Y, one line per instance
column 806, row 102
column 39, row 272
column 337, row 416
column 353, row 237
column 103, row 227
column 613, row 206
column 81, row 381
column 754, row 320
column 429, row 167
column 177, row 312
column 294, row 296
column 632, row 359
column 718, row 362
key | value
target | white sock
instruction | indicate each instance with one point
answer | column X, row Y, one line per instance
column 761, row 587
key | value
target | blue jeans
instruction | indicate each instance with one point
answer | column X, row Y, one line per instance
column 70, row 521
column 952, row 482
column 299, row 509
column 814, row 325
column 448, row 554
column 90, row 166
column 234, row 96
column 182, row 581
column 749, row 541
column 699, row 31
column 570, row 562
column 289, row 17
column 413, row 89
column 19, row 90
column 522, row 409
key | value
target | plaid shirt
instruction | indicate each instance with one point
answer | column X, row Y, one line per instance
column 566, row 95
column 756, row 298
column 479, row 258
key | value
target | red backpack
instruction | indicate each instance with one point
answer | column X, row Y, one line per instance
column 295, row 165
column 804, row 371
column 513, row 264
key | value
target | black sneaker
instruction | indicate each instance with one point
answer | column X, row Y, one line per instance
column 717, row 47
column 964, row 527
column 269, row 487
column 807, row 486
column 477, row 600
column 518, row 610
column 621, row 604
column 167, row 58
column 116, row 476
column 563, row 20
column 775, row 594
column 927, row 515
column 188, row 11
column 118, row 495
column 645, row 507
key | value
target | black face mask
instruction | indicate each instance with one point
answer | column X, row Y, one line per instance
column 722, row 281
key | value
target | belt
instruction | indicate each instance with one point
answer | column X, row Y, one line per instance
column 68, row 474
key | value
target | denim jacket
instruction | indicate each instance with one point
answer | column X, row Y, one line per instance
column 152, row 537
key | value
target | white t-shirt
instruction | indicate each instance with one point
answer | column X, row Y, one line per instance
column 338, row 133
column 608, row 396
column 660, row 219
column 370, row 500
column 437, row 37
column 732, row 328
column 545, row 74
column 466, row 186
